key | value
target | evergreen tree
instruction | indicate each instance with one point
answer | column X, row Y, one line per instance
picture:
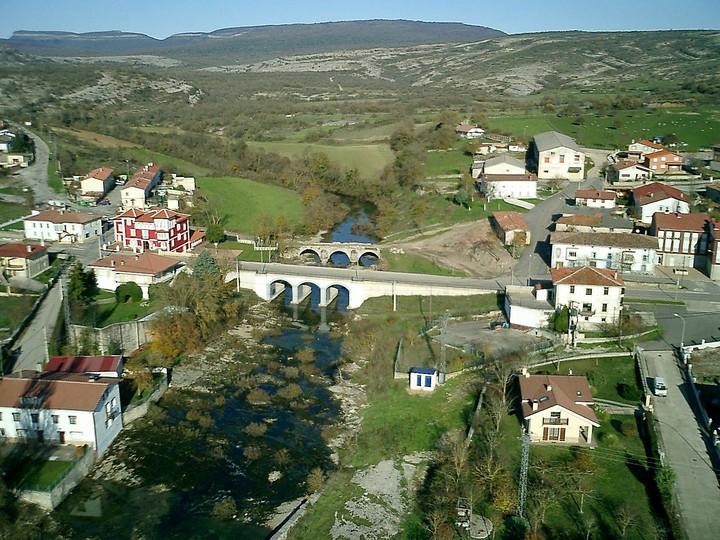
column 206, row 265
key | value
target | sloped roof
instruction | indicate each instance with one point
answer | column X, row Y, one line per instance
column 527, row 177
column 141, row 263
column 101, row 173
column 657, row 191
column 623, row 240
column 84, row 364
column 21, row 251
column 509, row 220
column 660, row 153
column 586, row 275
column 506, row 159
column 601, row 194
column 63, row 216
column 596, row 220
column 649, row 143
column 622, row 165
column 681, row 222
column 65, row 391
column 553, row 139
column 571, row 392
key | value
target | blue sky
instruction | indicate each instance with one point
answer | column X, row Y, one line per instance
column 160, row 18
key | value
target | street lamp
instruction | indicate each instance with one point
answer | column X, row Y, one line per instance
column 682, row 339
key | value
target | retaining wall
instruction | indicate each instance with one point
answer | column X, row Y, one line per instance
column 128, row 335
column 138, row 411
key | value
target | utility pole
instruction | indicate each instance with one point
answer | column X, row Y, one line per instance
column 47, row 346
column 394, row 297
column 66, row 306
column 524, row 463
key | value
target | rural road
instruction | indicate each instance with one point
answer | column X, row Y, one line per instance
column 36, row 175
column 29, row 350
column 686, row 451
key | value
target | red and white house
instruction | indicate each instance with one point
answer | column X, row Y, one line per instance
column 153, row 230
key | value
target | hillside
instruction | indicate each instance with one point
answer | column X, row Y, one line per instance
column 253, row 43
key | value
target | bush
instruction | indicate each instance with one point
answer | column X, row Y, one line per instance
column 629, row 392
column 258, row 396
column 255, row 429
column 225, row 509
column 128, row 292
column 315, row 480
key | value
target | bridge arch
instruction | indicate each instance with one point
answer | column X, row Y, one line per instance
column 369, row 258
column 312, row 251
column 340, row 257
column 274, row 290
column 337, row 293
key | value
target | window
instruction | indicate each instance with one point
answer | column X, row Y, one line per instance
column 587, row 308
column 16, row 416
column 108, row 423
column 562, row 158
column 604, row 308
column 606, row 291
column 418, row 381
column 428, row 381
column 55, row 419
column 555, row 414
column 72, row 419
column 0, row 417
column 572, row 253
column 2, row 432
column 577, row 157
column 113, row 402
column 588, row 292
column 554, row 434
column 645, row 258
column 107, row 407
column 35, row 417
column 572, row 289
column 547, row 160
column 603, row 319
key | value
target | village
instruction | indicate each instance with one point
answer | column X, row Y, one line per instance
column 610, row 251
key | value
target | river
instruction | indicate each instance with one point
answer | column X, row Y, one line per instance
column 353, row 229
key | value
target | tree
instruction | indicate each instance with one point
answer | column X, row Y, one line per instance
column 175, row 334
column 462, row 198
column 128, row 292
column 315, row 480
column 626, row 518
column 215, row 233
column 206, row 265
column 560, row 320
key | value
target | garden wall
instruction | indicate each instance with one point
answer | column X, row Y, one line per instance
column 127, row 336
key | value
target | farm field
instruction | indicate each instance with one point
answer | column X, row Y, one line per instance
column 243, row 200
column 696, row 128
column 441, row 162
column 368, row 159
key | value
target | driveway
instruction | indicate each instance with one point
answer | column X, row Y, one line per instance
column 686, row 450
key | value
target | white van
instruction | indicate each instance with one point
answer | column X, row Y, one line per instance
column 659, row 387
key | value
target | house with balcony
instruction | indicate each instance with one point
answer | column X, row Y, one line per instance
column 628, row 171
column 62, row 408
column 595, row 198
column 557, row 156
column 144, row 269
column 637, row 150
column 557, row 409
column 683, row 239
column 153, row 230
column 24, row 260
column 658, row 197
column 594, row 295
column 62, row 226
column 664, row 162
column 624, row 252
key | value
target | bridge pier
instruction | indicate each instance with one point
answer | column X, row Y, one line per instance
column 300, row 293
column 327, row 296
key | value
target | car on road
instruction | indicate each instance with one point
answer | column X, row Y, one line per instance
column 659, row 387
column 104, row 202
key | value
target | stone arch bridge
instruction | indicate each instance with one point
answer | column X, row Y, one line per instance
column 324, row 251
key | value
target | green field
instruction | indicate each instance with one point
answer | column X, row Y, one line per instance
column 368, row 159
column 408, row 262
column 441, row 162
column 242, row 201
column 10, row 211
column 697, row 128
column 183, row 167
column 45, row 475
column 13, row 309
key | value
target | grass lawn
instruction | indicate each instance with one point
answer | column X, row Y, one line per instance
column 13, row 309
column 10, row 211
column 604, row 375
column 420, row 307
column 444, row 211
column 697, row 128
column 398, row 423
column 408, row 262
column 44, row 475
column 48, row 274
column 244, row 200
column 440, row 162
column 368, row 159
column 107, row 314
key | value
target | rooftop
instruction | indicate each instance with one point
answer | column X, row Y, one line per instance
column 571, row 392
column 598, row 219
column 527, row 177
column 622, row 165
column 622, row 240
column 604, row 195
column 84, row 364
column 21, row 251
column 657, row 191
column 140, row 263
column 651, row 144
column 505, row 159
column 553, row 139
column 509, row 220
column 63, row 216
column 586, row 275
column 151, row 215
column 102, row 173
column 681, row 222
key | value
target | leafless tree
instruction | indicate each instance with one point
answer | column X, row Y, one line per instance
column 626, row 518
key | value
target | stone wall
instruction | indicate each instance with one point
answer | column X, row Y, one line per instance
column 128, row 336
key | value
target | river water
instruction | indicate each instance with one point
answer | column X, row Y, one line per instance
column 353, row 229
column 180, row 466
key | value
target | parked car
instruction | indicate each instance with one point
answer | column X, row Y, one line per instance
column 659, row 387
column 104, row 202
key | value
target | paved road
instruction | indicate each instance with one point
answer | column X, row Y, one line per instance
column 29, row 350
column 36, row 175
column 686, row 451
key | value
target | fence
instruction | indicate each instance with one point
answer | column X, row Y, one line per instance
column 139, row 410
column 119, row 337
column 51, row 498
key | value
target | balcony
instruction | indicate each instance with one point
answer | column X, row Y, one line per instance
column 555, row 422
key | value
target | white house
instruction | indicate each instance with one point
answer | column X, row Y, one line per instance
column 505, row 176
column 64, row 408
column 97, row 183
column 625, row 252
column 137, row 190
column 528, row 307
column 468, row 131
column 557, row 408
column 658, row 197
column 558, row 156
column 143, row 269
column 25, row 260
column 504, row 164
column 638, row 150
column 595, row 294
column 595, row 198
column 423, row 379
column 628, row 171
column 62, row 226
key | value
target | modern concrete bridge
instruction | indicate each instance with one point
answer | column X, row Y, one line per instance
column 270, row 280
column 324, row 251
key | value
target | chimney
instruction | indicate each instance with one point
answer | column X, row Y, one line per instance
column 112, row 263
column 534, row 405
column 525, row 372
column 616, row 276
column 548, row 387
column 29, row 249
column 137, row 257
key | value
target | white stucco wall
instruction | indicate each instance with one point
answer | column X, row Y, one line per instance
column 667, row 206
column 640, row 260
column 555, row 169
column 514, row 189
column 572, row 429
column 63, row 232
column 566, row 296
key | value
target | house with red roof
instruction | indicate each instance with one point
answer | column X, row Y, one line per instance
column 468, row 131
column 62, row 226
column 683, row 239
column 159, row 230
column 97, row 184
column 594, row 296
column 98, row 366
column 144, row 269
column 658, row 197
column 638, row 149
column 24, row 260
column 511, row 228
column 138, row 189
column 595, row 198
column 628, row 171
column 557, row 409
column 664, row 162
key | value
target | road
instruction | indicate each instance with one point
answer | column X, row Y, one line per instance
column 686, row 450
column 29, row 350
column 36, row 175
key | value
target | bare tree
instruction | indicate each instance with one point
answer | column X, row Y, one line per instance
column 626, row 518
column 436, row 521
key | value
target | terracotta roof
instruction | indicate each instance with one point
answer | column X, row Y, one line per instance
column 681, row 222
column 650, row 144
column 656, row 191
column 595, row 194
column 197, row 236
column 571, row 392
column 464, row 128
column 63, row 216
column 586, row 275
column 623, row 240
column 148, row 216
column 84, row 364
column 621, row 166
column 141, row 263
column 509, row 178
column 660, row 153
column 102, row 173
column 509, row 220
column 143, row 177
column 65, row 391
column 21, row 251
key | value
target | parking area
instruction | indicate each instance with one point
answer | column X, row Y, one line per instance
column 498, row 342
